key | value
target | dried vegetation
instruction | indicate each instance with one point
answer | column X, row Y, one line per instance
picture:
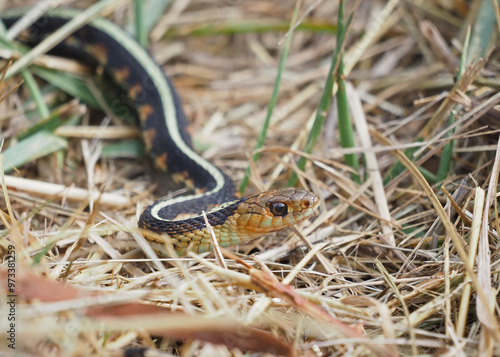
column 402, row 261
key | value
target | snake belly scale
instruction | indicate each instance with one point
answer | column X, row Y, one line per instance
column 158, row 109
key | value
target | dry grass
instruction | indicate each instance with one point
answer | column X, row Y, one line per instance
column 388, row 267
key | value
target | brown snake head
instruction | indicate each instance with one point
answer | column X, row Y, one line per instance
column 275, row 210
column 239, row 221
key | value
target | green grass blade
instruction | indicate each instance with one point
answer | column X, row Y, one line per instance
column 272, row 104
column 483, row 30
column 33, row 147
column 49, row 124
column 122, row 149
column 70, row 84
column 141, row 33
column 398, row 167
column 346, row 131
column 447, row 156
column 232, row 28
column 326, row 96
column 79, row 88
column 36, row 93
column 153, row 11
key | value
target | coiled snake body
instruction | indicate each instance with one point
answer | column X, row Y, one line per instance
column 103, row 44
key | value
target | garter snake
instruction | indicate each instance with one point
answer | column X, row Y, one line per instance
column 103, row 44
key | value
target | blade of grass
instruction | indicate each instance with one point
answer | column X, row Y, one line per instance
column 124, row 148
column 398, row 167
column 153, row 11
column 446, row 157
column 141, row 33
column 37, row 10
column 326, row 97
column 32, row 148
column 346, row 131
column 272, row 102
column 35, row 93
column 249, row 27
column 54, row 121
column 84, row 90
column 72, row 85
column 482, row 32
column 473, row 244
column 484, row 307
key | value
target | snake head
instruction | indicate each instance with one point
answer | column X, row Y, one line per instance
column 275, row 210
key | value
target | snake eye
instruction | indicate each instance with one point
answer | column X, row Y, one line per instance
column 278, row 208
